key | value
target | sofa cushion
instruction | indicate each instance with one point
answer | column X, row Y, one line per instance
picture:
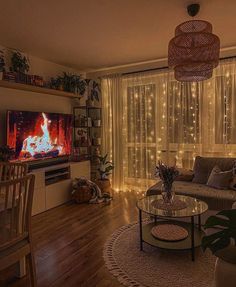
column 220, row 179
column 204, row 165
column 196, row 190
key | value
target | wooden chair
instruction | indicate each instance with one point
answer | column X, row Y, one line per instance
column 12, row 170
column 15, row 223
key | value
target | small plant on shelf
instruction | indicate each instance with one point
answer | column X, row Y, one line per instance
column 2, row 61
column 69, row 83
column 19, row 63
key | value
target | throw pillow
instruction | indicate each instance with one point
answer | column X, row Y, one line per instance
column 220, row 179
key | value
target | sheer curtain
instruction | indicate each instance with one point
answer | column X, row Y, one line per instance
column 112, row 127
column 149, row 117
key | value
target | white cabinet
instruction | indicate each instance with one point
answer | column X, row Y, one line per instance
column 53, row 184
column 58, row 193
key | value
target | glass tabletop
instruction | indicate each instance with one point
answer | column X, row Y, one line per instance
column 194, row 206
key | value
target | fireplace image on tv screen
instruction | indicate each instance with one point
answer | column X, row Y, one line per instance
column 38, row 135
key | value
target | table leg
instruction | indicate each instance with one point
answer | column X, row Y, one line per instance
column 199, row 222
column 21, row 270
column 140, row 230
column 192, row 238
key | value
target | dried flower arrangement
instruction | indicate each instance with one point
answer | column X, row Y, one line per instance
column 167, row 174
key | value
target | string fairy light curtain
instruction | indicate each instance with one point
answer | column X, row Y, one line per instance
column 150, row 116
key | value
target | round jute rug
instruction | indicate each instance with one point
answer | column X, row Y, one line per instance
column 154, row 267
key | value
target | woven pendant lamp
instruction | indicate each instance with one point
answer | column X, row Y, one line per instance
column 194, row 51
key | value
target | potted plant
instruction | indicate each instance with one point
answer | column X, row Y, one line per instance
column 6, row 153
column 222, row 244
column 69, row 83
column 104, row 168
column 2, row 64
column 93, row 92
column 19, row 65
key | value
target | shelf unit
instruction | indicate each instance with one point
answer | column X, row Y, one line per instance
column 87, row 135
column 36, row 89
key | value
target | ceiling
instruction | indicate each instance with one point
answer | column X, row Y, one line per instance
column 94, row 34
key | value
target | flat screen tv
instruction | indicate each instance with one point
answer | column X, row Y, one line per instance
column 38, row 135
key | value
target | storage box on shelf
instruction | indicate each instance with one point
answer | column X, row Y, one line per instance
column 53, row 184
column 87, row 135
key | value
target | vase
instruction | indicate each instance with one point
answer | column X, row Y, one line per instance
column 167, row 192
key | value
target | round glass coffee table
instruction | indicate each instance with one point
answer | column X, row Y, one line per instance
column 191, row 208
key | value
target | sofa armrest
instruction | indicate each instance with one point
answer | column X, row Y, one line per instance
column 184, row 175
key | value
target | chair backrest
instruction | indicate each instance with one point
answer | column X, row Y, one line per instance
column 12, row 170
column 16, row 197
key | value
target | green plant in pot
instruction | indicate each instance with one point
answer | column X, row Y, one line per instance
column 6, row 153
column 2, row 64
column 104, row 169
column 19, row 65
column 69, row 83
column 222, row 244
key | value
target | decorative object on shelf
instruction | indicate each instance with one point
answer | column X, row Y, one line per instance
column 96, row 140
column 194, row 51
column 96, row 122
column 222, row 244
column 81, row 137
column 89, row 122
column 94, row 91
column 167, row 175
column 2, row 64
column 105, row 167
column 6, row 153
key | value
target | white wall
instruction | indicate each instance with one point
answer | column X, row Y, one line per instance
column 39, row 66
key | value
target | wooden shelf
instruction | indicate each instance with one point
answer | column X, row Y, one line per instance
column 35, row 89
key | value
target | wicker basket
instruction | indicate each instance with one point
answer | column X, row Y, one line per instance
column 82, row 194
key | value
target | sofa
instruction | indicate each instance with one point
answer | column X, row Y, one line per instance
column 196, row 184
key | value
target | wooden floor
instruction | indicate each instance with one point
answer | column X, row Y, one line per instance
column 69, row 243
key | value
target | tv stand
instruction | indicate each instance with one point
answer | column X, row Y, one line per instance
column 47, row 162
column 53, row 184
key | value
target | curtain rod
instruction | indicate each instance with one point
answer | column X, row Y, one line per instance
column 166, row 67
